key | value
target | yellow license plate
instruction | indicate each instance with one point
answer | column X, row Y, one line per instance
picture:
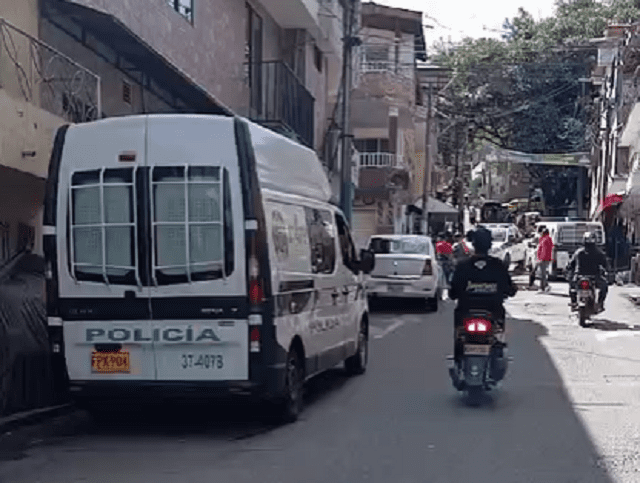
column 110, row 362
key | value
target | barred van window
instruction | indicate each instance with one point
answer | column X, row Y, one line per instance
column 102, row 226
column 188, row 224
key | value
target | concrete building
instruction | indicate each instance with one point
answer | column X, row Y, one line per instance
column 384, row 116
column 616, row 161
column 278, row 63
column 40, row 89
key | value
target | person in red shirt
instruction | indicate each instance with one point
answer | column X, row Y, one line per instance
column 443, row 247
column 544, row 256
column 444, row 252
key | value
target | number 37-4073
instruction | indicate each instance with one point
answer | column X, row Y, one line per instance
column 204, row 361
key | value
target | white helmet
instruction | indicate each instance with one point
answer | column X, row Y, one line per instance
column 589, row 238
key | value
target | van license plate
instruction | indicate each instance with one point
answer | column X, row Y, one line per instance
column 395, row 288
column 110, row 362
column 480, row 350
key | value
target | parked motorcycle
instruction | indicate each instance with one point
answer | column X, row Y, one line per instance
column 484, row 355
column 586, row 299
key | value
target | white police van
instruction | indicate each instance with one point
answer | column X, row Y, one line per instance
column 193, row 254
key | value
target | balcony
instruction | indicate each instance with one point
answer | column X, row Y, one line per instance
column 381, row 160
column 386, row 66
column 294, row 13
column 42, row 76
column 280, row 101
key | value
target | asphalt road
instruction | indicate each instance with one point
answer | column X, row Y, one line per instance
column 400, row 422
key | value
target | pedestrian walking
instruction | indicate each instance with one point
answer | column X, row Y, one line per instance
column 544, row 257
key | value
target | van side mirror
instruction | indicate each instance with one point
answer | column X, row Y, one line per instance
column 367, row 261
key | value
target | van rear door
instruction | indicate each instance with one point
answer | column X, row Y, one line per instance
column 198, row 292
column 104, row 300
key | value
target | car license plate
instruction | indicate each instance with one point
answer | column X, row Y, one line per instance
column 392, row 288
column 478, row 350
column 110, row 362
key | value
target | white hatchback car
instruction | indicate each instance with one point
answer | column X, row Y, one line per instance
column 405, row 267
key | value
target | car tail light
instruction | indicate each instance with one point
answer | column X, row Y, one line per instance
column 477, row 326
column 584, row 284
column 427, row 269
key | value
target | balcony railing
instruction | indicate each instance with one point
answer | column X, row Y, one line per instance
column 47, row 78
column 381, row 66
column 381, row 160
column 280, row 101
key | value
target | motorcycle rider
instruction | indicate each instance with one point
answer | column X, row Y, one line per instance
column 589, row 261
column 480, row 282
column 460, row 249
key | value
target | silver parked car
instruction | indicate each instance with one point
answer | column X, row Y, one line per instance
column 406, row 267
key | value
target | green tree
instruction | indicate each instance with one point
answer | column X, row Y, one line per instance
column 524, row 91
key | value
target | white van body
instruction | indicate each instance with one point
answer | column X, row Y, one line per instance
column 194, row 253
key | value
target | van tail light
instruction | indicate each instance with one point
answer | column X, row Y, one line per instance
column 255, row 339
column 477, row 326
column 256, row 295
column 51, row 275
column 256, row 285
column 584, row 284
column 427, row 269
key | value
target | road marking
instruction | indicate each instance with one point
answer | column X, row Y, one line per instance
column 389, row 329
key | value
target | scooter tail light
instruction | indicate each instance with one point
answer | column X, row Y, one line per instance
column 477, row 326
column 584, row 284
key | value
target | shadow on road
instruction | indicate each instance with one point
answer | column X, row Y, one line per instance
column 608, row 325
column 399, row 306
column 530, row 423
column 227, row 419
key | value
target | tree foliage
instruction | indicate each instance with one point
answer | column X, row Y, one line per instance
column 526, row 91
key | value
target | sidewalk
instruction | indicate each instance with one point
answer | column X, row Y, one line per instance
column 26, row 379
column 599, row 366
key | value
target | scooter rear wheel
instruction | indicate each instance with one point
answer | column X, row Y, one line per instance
column 474, row 395
column 582, row 316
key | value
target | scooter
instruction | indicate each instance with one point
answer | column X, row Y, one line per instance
column 587, row 293
column 484, row 355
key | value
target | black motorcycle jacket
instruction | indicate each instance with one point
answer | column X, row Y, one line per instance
column 481, row 281
column 588, row 262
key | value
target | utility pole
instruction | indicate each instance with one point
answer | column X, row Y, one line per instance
column 348, row 42
column 427, row 168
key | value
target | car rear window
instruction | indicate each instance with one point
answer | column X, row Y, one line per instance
column 401, row 246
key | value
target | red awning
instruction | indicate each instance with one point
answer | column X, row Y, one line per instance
column 609, row 201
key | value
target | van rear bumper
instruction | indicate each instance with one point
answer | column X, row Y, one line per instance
column 88, row 393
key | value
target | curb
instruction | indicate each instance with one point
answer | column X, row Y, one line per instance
column 9, row 423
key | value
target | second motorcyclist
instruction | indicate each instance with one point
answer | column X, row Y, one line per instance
column 480, row 282
column 589, row 261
